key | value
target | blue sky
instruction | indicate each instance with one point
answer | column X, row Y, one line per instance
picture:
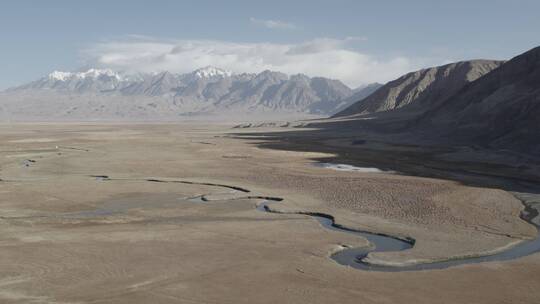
column 355, row 41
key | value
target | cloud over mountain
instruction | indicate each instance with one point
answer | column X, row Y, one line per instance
column 326, row 57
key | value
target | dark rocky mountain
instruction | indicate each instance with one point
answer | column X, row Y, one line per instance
column 421, row 90
column 501, row 109
column 480, row 103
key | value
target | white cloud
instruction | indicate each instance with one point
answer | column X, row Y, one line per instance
column 319, row 57
column 274, row 24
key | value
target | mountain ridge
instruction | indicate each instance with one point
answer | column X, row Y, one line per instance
column 208, row 90
column 420, row 90
column 500, row 109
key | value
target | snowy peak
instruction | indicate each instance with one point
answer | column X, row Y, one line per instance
column 97, row 73
column 211, row 72
column 91, row 73
column 60, row 76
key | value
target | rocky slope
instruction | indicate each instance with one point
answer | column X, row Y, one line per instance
column 501, row 109
column 358, row 94
column 421, row 90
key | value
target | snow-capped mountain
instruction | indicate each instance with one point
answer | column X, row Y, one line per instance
column 92, row 80
column 91, row 73
column 210, row 72
column 208, row 90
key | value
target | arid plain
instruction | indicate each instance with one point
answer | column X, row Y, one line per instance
column 147, row 213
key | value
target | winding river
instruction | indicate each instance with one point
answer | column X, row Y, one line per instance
column 353, row 257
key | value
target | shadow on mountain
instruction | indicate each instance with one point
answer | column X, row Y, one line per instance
column 356, row 142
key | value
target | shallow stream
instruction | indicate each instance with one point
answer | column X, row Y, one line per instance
column 354, row 256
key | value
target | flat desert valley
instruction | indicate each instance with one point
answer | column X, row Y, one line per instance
column 156, row 213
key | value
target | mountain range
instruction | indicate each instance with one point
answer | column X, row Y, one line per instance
column 105, row 94
column 478, row 102
column 488, row 102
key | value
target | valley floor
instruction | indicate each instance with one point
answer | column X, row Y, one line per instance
column 113, row 213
